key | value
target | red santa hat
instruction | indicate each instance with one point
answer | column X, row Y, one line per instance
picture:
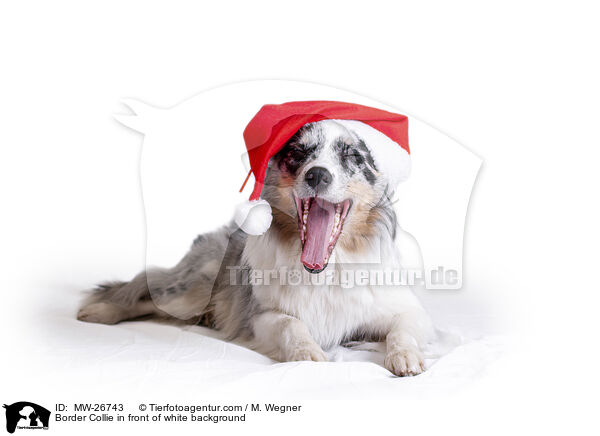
column 385, row 134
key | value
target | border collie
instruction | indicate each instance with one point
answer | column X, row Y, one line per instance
column 332, row 216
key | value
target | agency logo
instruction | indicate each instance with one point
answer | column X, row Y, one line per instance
column 26, row 415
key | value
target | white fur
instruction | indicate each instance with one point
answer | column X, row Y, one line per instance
column 330, row 314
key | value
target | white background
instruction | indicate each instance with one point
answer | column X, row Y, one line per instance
column 516, row 82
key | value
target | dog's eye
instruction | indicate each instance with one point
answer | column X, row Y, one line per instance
column 292, row 158
column 349, row 151
column 298, row 152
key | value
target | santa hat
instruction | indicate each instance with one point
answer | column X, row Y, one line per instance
column 384, row 133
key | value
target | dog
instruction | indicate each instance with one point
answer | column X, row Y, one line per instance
column 331, row 213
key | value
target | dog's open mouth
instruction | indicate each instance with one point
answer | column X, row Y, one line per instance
column 320, row 224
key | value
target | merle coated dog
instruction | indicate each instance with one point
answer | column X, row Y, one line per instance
column 331, row 214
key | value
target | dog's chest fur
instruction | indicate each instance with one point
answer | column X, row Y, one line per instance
column 332, row 313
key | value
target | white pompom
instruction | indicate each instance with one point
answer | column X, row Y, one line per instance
column 253, row 217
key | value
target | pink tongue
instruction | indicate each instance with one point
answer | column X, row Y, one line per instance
column 318, row 231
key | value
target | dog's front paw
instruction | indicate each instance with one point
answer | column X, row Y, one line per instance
column 307, row 351
column 404, row 361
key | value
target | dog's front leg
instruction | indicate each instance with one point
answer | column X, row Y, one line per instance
column 285, row 338
column 403, row 346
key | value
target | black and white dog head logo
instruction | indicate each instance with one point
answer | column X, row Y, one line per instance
column 26, row 415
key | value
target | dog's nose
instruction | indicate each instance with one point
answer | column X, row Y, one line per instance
column 318, row 177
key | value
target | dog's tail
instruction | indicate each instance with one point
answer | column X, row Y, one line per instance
column 183, row 291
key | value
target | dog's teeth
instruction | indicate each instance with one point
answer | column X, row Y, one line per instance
column 338, row 208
